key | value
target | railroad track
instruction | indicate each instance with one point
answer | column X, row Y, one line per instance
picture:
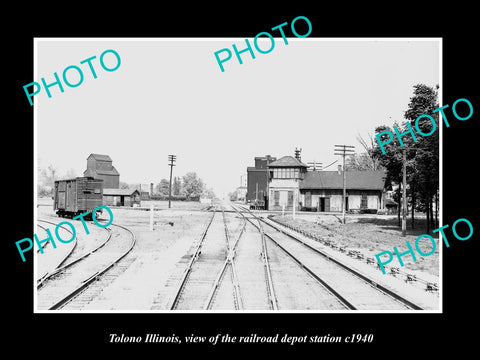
column 65, row 256
column 180, row 289
column 63, row 286
column 228, row 267
column 44, row 229
column 211, row 280
column 296, row 286
column 272, row 299
column 354, row 289
column 74, row 254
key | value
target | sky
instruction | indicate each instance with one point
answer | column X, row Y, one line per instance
column 169, row 96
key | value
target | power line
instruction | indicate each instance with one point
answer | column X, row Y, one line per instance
column 330, row 164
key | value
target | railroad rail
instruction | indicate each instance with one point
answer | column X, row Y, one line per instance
column 229, row 263
column 181, row 285
column 43, row 244
column 63, row 275
column 67, row 255
column 303, row 266
column 344, row 267
column 273, row 301
column 59, row 267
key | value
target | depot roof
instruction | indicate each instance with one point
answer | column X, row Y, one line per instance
column 287, row 161
column 355, row 180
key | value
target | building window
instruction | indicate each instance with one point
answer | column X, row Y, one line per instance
column 363, row 201
column 290, row 198
column 286, row 173
column 276, row 198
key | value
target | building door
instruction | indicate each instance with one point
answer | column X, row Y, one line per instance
column 326, row 204
column 290, row 198
column 322, row 204
column 308, row 199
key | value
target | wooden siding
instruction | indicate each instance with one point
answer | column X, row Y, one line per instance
column 78, row 195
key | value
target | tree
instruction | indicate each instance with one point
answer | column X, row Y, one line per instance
column 46, row 179
column 361, row 162
column 124, row 185
column 70, row 174
column 192, row 185
column 162, row 187
column 392, row 162
column 209, row 193
column 422, row 154
column 177, row 186
column 425, row 151
column 369, row 160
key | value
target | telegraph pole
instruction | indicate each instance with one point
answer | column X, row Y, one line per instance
column 313, row 165
column 344, row 150
column 172, row 159
column 404, row 195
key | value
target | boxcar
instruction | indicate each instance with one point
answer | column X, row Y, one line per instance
column 76, row 196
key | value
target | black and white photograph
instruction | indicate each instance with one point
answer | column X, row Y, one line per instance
column 282, row 181
column 275, row 214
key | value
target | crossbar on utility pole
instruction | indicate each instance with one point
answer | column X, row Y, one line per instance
column 172, row 159
column 344, row 150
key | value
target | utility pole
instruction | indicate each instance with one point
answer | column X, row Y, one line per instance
column 344, row 150
column 172, row 159
column 404, row 195
column 313, row 165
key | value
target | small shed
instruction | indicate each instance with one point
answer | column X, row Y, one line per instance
column 121, row 197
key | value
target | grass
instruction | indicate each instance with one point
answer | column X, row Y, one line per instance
column 372, row 235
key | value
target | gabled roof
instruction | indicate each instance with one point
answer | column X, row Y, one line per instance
column 118, row 192
column 93, row 172
column 287, row 161
column 356, row 180
column 100, row 157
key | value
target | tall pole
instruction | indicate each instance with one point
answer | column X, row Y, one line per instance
column 404, row 195
column 172, row 159
column 344, row 150
column 344, row 202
